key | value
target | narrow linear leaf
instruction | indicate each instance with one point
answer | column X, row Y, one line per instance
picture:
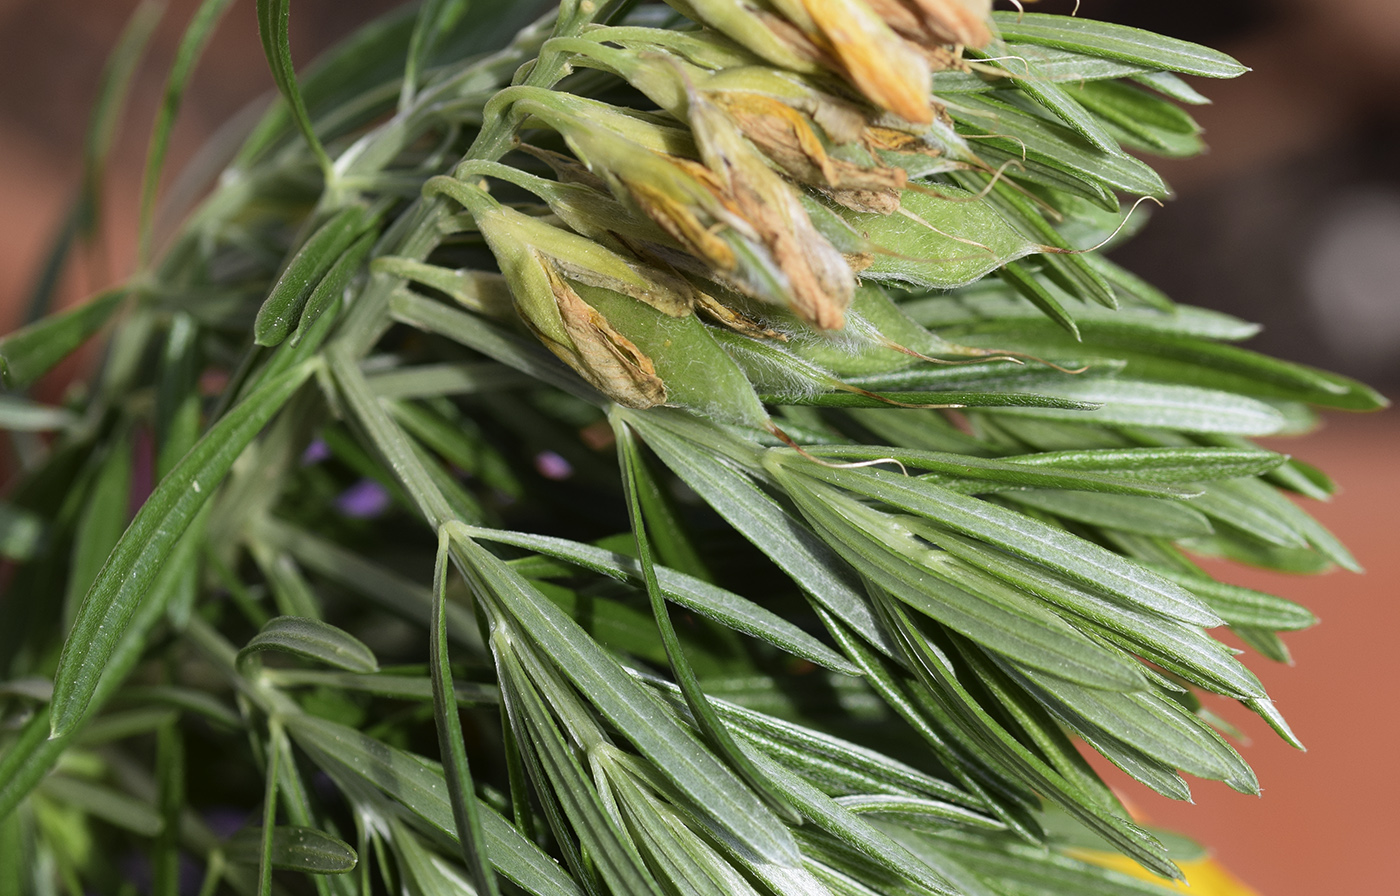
column 1119, row 42
column 1245, row 606
column 949, row 399
column 281, row 310
column 917, row 813
column 703, row 714
column 936, row 670
column 1125, row 402
column 1106, row 472
column 331, row 288
column 460, row 786
column 28, row 353
column 294, row 848
column 888, row 555
column 1017, row 533
column 1055, row 98
column 274, row 19
column 1183, row 648
column 314, row 640
column 695, row 771
column 416, row 784
column 947, row 878
column 1130, row 513
column 860, row 769
column 1160, row 464
column 1170, row 85
column 812, row 566
column 561, row 777
column 1030, row 288
column 724, row 607
column 144, row 549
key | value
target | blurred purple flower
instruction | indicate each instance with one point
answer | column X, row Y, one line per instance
column 552, row 466
column 315, row 452
column 224, row 821
column 365, row 499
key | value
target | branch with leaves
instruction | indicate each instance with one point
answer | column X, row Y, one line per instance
column 693, row 448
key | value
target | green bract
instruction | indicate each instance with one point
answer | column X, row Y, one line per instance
column 691, row 450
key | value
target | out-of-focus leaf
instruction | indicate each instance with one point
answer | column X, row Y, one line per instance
column 146, row 546
column 293, row 849
column 27, row 354
column 192, row 44
column 274, row 19
column 313, row 640
column 126, row 812
column 417, row 785
column 20, row 532
column 104, row 518
column 22, row 415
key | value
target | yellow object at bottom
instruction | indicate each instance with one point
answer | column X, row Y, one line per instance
column 1204, row 877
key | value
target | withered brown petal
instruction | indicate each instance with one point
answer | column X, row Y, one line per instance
column 882, row 66
column 956, row 21
column 600, row 354
column 681, row 224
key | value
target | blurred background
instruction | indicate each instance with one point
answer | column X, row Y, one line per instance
column 1292, row 220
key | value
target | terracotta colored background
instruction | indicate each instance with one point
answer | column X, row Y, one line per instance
column 1316, row 120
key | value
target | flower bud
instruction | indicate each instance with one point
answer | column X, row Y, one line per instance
column 930, row 22
column 538, row 261
column 845, row 37
column 733, row 212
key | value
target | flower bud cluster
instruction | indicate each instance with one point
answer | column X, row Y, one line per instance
column 768, row 108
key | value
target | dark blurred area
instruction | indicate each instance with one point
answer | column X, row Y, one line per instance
column 1292, row 220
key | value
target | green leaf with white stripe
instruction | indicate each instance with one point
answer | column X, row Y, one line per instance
column 626, row 705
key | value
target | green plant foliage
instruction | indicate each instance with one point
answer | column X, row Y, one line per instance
column 675, row 449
